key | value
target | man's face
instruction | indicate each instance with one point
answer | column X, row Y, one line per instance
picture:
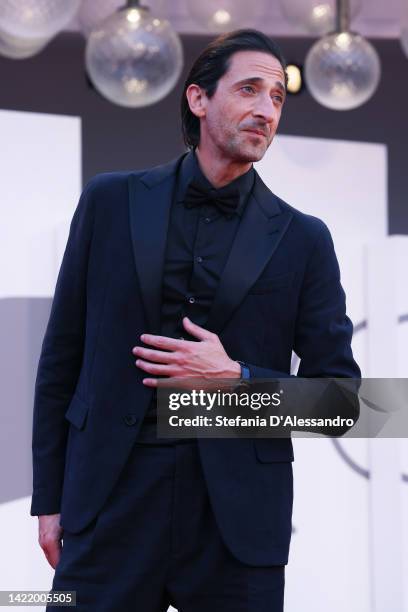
column 243, row 115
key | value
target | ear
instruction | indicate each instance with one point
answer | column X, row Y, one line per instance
column 197, row 100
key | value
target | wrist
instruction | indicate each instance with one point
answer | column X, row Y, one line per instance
column 235, row 369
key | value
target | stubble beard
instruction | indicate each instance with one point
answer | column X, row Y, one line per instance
column 237, row 146
column 235, row 142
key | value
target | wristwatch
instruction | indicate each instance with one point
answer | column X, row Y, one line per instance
column 245, row 371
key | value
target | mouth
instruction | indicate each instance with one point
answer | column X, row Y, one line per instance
column 258, row 132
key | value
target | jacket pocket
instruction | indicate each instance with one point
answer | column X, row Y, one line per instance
column 272, row 450
column 77, row 412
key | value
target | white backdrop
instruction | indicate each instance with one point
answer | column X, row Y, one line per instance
column 347, row 546
column 337, row 547
column 41, row 183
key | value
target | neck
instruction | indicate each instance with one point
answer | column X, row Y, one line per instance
column 219, row 171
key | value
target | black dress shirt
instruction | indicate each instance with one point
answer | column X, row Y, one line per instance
column 199, row 240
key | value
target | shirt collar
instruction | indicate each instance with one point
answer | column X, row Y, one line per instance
column 190, row 169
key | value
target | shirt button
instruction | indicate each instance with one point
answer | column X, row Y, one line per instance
column 199, row 259
column 207, row 220
column 191, row 300
column 130, row 419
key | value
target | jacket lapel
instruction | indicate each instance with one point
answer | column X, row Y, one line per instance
column 150, row 197
column 259, row 233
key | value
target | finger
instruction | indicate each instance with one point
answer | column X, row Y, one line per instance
column 173, row 381
column 155, row 368
column 156, row 356
column 189, row 383
column 170, row 382
column 150, row 382
column 197, row 331
column 164, row 342
column 53, row 553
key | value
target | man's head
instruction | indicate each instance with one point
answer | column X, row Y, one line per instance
column 236, row 88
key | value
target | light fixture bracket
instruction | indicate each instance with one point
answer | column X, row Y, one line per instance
column 136, row 4
column 133, row 4
column 342, row 16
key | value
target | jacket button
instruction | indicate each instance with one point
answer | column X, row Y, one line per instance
column 130, row 419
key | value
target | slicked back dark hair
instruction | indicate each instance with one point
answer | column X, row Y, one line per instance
column 211, row 65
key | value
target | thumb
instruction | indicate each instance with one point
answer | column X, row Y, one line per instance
column 53, row 553
column 196, row 330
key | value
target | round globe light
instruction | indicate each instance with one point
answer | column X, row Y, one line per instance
column 20, row 48
column 404, row 39
column 36, row 19
column 225, row 15
column 91, row 13
column 317, row 17
column 133, row 58
column 342, row 71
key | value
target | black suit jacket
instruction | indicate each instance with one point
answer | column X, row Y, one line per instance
column 280, row 290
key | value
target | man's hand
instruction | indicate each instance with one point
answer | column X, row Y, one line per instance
column 49, row 537
column 176, row 359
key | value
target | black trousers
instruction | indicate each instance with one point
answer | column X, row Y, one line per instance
column 155, row 543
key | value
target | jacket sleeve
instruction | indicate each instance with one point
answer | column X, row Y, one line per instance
column 60, row 362
column 323, row 331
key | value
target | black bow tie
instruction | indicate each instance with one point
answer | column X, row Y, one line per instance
column 225, row 199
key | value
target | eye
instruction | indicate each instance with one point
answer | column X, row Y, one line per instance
column 280, row 98
column 248, row 87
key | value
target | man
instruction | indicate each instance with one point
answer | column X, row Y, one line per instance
column 193, row 268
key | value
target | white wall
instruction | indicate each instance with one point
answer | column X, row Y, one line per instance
column 338, row 558
column 40, row 184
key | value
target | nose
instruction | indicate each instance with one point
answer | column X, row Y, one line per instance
column 265, row 109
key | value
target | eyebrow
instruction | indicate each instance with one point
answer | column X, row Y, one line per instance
column 257, row 80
